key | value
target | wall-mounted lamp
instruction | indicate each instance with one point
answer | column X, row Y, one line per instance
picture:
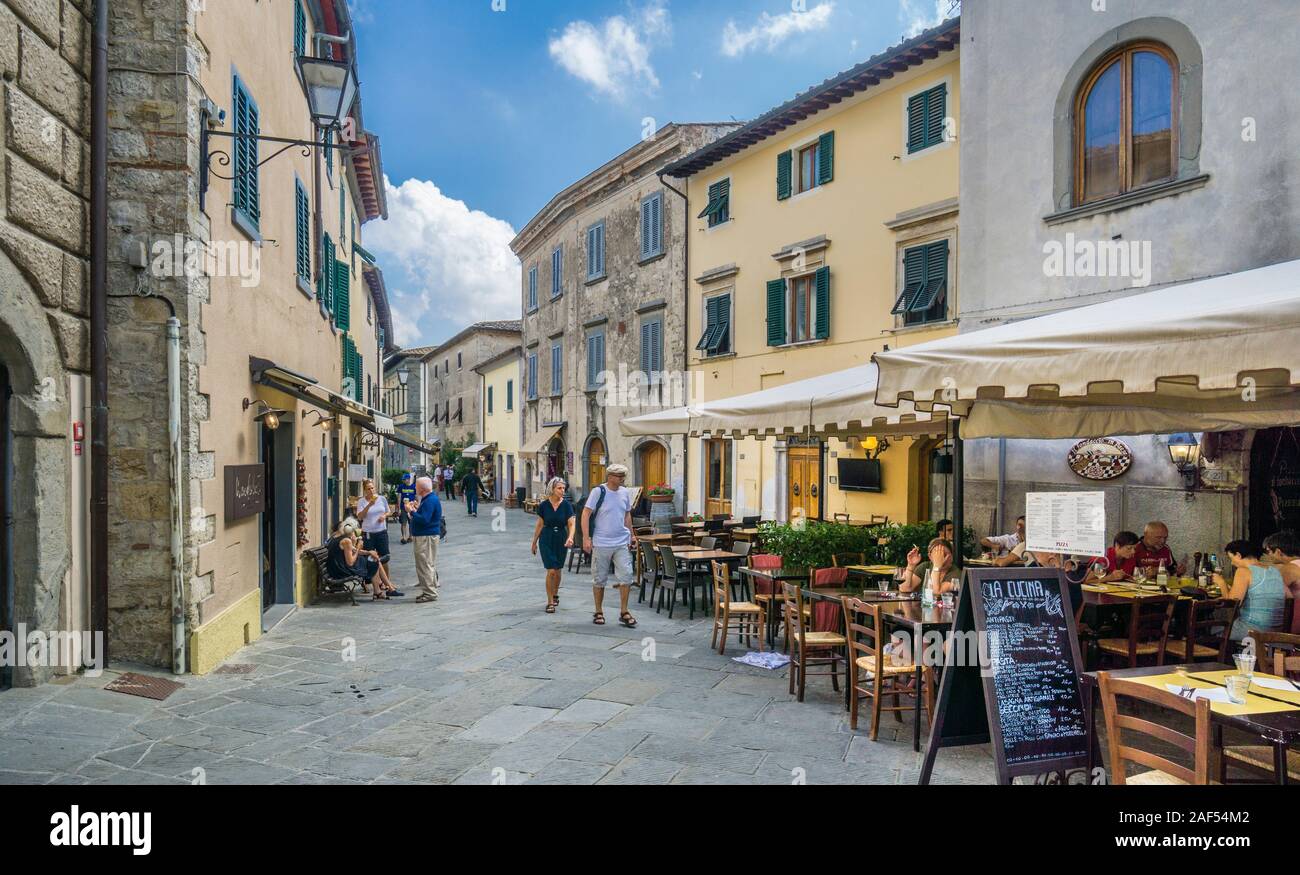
column 369, row 441
column 874, row 446
column 327, row 423
column 1185, row 453
column 402, row 377
column 267, row 415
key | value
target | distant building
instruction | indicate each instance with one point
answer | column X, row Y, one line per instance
column 603, row 292
column 451, row 386
column 403, row 400
column 499, row 432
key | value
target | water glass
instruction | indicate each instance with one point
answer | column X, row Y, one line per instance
column 1245, row 663
column 1238, row 685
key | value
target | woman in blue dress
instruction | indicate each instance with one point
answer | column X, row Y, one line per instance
column 554, row 535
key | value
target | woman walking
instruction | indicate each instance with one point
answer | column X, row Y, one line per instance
column 554, row 533
column 347, row 559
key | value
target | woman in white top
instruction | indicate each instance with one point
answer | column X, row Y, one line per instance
column 373, row 511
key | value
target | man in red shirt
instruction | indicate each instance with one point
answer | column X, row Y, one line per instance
column 1153, row 549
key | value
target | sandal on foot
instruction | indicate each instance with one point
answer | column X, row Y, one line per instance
column 598, row 618
column 626, row 619
column 550, row 609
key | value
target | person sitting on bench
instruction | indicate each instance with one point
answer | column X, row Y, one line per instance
column 347, row 559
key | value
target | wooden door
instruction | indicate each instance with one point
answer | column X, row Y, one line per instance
column 654, row 465
column 595, row 463
column 718, row 477
column 804, row 482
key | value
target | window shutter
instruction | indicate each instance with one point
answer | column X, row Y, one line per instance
column 826, row 158
column 657, row 224
column 342, row 296
column 302, row 235
column 645, row 348
column 254, row 207
column 913, row 278
column 327, row 272
column 532, row 288
column 823, row 285
column 591, row 252
column 557, row 374
column 360, row 379
column 936, row 111
column 656, row 347
column 776, row 313
column 916, row 126
column 489, row 400
column 784, row 168
column 936, row 277
column 299, row 29
column 645, row 228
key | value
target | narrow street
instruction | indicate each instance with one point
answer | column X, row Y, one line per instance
column 480, row 687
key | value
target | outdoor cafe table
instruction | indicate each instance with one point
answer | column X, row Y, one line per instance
column 694, row 557
column 1265, row 715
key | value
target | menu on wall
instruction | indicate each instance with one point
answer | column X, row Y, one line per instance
column 1066, row 522
column 1024, row 694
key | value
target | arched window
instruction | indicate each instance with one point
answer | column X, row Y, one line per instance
column 1126, row 123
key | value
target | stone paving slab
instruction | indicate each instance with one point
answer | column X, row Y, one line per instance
column 481, row 687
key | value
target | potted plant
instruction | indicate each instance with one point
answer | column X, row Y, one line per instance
column 661, row 494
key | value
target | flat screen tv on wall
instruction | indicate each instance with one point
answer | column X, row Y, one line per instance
column 860, row 475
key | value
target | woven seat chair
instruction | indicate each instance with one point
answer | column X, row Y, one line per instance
column 842, row 560
column 1259, row 760
column 1119, row 726
column 1148, row 633
column 745, row 617
column 1209, row 632
column 871, row 674
column 801, row 643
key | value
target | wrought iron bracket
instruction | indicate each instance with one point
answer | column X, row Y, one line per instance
column 209, row 156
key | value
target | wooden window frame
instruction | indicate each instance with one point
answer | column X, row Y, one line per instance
column 1124, row 56
column 797, row 181
column 791, row 308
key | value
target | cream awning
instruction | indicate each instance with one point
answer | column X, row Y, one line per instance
column 474, row 450
column 540, row 440
column 1206, row 355
column 839, row 403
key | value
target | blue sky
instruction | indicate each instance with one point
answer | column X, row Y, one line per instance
column 485, row 114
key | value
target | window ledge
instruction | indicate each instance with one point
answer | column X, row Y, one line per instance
column 1129, row 199
column 531, row 310
column 924, row 326
column 652, row 258
column 306, row 289
column 593, row 280
column 801, row 343
column 716, row 357
column 246, row 225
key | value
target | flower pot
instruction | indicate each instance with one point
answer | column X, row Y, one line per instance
column 661, row 499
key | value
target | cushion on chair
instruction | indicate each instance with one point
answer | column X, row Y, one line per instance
column 1261, row 757
column 1153, row 778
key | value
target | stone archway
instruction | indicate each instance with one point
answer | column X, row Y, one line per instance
column 37, row 417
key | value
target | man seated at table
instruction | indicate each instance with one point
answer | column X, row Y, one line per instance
column 1153, row 550
column 918, row 573
column 1006, row 543
column 1283, row 548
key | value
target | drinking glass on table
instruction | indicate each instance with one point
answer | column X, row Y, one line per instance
column 1099, row 571
column 1238, row 685
column 1245, row 663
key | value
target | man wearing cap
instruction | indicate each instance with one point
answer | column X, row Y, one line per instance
column 608, row 536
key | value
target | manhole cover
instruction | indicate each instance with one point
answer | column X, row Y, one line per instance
column 236, row 668
column 144, row 686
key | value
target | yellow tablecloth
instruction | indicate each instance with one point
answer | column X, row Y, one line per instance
column 1217, row 677
column 873, row 569
column 1253, row 705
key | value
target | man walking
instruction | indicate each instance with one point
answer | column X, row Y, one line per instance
column 405, row 496
column 470, row 487
column 608, row 536
column 426, row 529
column 449, row 482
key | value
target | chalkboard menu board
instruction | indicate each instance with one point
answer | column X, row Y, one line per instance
column 1024, row 694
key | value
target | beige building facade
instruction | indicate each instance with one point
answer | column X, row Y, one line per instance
column 452, row 386
column 499, row 428
column 603, row 291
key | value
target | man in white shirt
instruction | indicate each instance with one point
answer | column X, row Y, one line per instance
column 608, row 536
column 1006, row 543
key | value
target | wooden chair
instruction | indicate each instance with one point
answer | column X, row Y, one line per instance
column 1164, row 771
column 745, row 617
column 878, row 520
column 768, row 600
column 738, row 580
column 842, row 518
column 1269, row 644
column 841, row 560
column 1148, row 632
column 1282, row 651
column 801, row 643
column 648, row 570
column 1209, row 632
column 865, row 657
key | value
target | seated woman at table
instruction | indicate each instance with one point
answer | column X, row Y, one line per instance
column 1261, row 589
column 919, row 573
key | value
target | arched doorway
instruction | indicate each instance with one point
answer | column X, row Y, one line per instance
column 1274, row 502
column 596, row 461
column 652, row 464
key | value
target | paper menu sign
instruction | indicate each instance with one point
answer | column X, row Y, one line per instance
column 1066, row 522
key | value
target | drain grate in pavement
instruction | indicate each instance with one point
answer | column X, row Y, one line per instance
column 144, row 686
column 235, row 668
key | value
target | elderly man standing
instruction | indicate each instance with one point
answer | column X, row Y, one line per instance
column 608, row 536
column 426, row 529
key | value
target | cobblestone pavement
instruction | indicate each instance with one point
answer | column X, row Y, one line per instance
column 481, row 686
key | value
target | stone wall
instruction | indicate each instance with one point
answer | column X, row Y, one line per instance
column 153, row 156
column 44, row 249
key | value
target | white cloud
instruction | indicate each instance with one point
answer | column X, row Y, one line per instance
column 445, row 265
column 921, row 15
column 614, row 57
column 770, row 31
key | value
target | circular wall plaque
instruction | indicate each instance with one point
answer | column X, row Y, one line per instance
column 1100, row 458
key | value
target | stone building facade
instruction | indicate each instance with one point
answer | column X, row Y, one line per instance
column 603, row 295
column 452, row 385
column 44, row 327
column 299, row 327
column 405, row 404
column 1220, row 200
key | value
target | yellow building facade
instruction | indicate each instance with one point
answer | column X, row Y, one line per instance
column 500, row 423
column 823, row 232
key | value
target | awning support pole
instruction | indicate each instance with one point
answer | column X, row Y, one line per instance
column 959, row 494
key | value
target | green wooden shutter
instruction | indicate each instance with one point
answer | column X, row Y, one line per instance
column 935, row 113
column 776, row 313
column 826, row 158
column 299, row 29
column 326, row 289
column 342, row 296
column 913, row 278
column 916, row 122
column 823, row 316
column 784, row 174
column 359, row 377
column 302, row 233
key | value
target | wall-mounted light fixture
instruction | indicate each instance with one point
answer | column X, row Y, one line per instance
column 267, row 415
column 327, row 423
column 875, row 446
column 1185, row 453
